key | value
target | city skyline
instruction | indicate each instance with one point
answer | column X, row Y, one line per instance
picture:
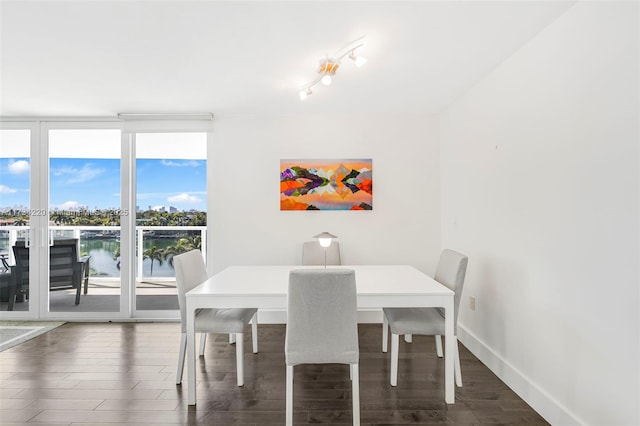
column 95, row 183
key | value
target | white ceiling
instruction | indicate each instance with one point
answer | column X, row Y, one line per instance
column 99, row 58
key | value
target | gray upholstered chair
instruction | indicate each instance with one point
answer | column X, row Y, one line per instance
column 451, row 270
column 313, row 254
column 190, row 272
column 322, row 326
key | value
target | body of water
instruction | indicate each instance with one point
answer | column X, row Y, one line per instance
column 102, row 251
column 103, row 265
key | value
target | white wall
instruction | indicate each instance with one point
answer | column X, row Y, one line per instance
column 249, row 228
column 540, row 186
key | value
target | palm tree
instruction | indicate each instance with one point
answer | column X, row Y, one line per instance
column 184, row 245
column 154, row 254
column 191, row 242
column 171, row 251
column 116, row 256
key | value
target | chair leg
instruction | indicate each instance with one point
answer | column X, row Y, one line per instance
column 12, row 298
column 203, row 341
column 408, row 338
column 239, row 358
column 78, row 293
column 254, row 332
column 456, row 365
column 395, row 342
column 289, row 396
column 181, row 353
column 355, row 390
column 385, row 333
column 438, row 345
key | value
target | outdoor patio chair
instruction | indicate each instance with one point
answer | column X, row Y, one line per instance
column 66, row 269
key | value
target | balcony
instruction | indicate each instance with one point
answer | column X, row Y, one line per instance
column 154, row 274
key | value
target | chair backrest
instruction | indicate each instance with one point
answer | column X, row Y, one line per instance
column 21, row 268
column 190, row 272
column 313, row 254
column 451, row 270
column 64, row 270
column 322, row 317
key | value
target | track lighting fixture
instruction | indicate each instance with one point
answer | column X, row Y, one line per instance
column 329, row 66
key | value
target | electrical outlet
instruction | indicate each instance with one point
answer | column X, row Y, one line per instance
column 472, row 303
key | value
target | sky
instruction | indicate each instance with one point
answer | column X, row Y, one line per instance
column 95, row 183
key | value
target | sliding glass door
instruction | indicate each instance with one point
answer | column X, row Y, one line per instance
column 171, row 218
column 15, row 218
column 84, row 220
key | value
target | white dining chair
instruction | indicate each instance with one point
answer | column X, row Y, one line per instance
column 450, row 272
column 190, row 272
column 313, row 253
column 322, row 326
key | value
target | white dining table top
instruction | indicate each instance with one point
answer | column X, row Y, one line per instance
column 372, row 281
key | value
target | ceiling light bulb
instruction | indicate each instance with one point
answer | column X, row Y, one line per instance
column 305, row 93
column 326, row 80
column 360, row 61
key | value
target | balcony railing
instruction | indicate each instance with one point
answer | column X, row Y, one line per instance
column 10, row 234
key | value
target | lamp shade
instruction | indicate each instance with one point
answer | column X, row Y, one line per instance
column 360, row 61
column 325, row 239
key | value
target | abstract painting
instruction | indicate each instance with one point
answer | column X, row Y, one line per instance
column 326, row 184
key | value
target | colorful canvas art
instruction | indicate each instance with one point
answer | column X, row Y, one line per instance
column 326, row 185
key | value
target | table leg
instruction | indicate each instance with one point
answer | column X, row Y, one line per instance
column 191, row 355
column 449, row 355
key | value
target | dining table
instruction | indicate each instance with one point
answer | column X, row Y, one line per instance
column 265, row 287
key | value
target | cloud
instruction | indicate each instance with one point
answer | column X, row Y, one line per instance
column 69, row 205
column 189, row 163
column 184, row 198
column 84, row 174
column 18, row 167
column 150, row 195
column 6, row 190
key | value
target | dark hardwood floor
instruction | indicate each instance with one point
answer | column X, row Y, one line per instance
column 124, row 374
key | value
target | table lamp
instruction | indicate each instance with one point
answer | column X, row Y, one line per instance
column 325, row 239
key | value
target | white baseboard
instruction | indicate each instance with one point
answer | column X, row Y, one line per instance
column 280, row 317
column 544, row 404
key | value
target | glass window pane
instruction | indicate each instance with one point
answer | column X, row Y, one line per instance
column 171, row 176
column 84, row 205
column 15, row 165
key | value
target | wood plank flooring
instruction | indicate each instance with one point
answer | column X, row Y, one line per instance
column 124, row 374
